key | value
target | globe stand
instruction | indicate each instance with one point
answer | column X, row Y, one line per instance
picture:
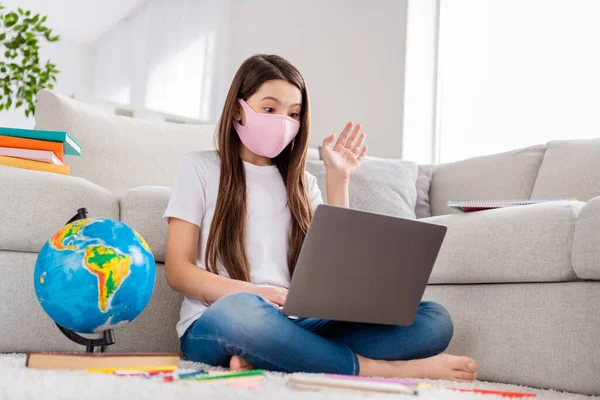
column 108, row 336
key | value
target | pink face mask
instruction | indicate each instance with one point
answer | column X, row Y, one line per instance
column 266, row 134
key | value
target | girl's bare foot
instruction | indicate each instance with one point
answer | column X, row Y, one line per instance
column 239, row 364
column 442, row 366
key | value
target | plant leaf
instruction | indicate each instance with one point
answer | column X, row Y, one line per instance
column 24, row 74
column 10, row 19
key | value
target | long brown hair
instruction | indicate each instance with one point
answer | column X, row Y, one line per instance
column 226, row 238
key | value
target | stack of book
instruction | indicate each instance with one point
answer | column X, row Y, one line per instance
column 37, row 150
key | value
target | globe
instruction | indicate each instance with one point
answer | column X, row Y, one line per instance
column 94, row 274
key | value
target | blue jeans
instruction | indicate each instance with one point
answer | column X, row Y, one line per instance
column 245, row 325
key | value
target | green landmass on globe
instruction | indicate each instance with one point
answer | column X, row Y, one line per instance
column 111, row 252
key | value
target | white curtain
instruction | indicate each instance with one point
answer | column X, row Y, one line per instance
column 168, row 56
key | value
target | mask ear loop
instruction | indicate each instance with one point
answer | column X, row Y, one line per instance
column 239, row 110
column 243, row 109
column 245, row 106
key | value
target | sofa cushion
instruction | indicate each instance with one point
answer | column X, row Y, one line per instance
column 34, row 205
column 586, row 241
column 313, row 154
column 516, row 244
column 142, row 208
column 571, row 168
column 502, row 176
column 120, row 152
column 379, row 185
column 423, row 208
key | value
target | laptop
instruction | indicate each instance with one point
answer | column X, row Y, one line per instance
column 363, row 267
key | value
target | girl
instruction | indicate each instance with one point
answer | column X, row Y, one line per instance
column 237, row 219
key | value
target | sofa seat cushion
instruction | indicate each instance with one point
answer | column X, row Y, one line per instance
column 518, row 244
column 37, row 204
column 142, row 209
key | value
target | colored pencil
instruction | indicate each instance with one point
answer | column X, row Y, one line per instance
column 244, row 374
column 160, row 368
column 494, row 392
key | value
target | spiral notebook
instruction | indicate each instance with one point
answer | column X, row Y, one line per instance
column 480, row 205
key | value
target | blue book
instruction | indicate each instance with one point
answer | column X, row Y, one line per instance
column 71, row 146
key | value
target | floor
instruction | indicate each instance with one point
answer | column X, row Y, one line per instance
column 18, row 382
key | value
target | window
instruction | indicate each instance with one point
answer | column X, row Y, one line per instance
column 513, row 73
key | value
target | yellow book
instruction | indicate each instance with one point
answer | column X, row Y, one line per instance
column 34, row 165
column 105, row 361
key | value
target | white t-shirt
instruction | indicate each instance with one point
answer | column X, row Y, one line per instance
column 194, row 197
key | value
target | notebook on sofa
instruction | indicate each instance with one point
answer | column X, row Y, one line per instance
column 480, row 205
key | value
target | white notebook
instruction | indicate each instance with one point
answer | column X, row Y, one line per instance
column 480, row 205
column 35, row 155
column 354, row 383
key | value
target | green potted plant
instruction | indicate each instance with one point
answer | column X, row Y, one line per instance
column 22, row 73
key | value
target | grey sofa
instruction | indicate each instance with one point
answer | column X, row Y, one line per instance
column 522, row 284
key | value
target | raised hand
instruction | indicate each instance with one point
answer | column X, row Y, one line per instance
column 344, row 158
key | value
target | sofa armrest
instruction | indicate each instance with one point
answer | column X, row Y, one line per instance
column 34, row 205
column 586, row 241
column 142, row 208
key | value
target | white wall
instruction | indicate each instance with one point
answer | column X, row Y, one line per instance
column 168, row 56
column 75, row 63
column 351, row 53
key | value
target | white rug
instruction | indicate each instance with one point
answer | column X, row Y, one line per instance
column 18, row 382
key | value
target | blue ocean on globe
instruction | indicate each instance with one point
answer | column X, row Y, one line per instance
column 94, row 274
